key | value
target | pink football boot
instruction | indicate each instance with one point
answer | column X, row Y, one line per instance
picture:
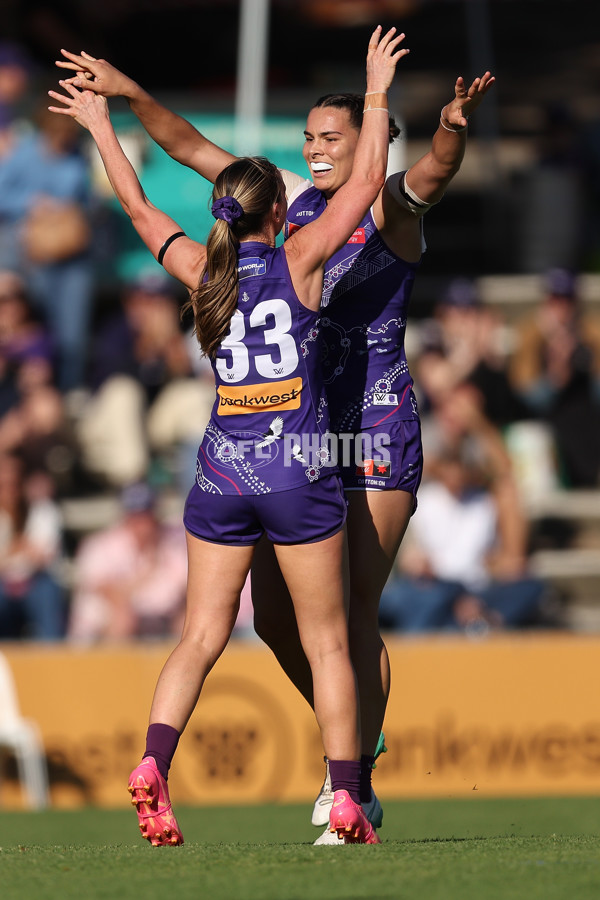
column 150, row 796
column 349, row 821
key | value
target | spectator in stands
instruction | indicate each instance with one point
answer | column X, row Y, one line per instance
column 130, row 578
column 556, row 370
column 146, row 399
column 15, row 76
column 38, row 429
column 463, row 565
column 33, row 418
column 22, row 336
column 45, row 232
column 21, row 331
column 32, row 598
column 472, row 338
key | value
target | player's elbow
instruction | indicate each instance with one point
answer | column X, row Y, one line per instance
column 132, row 203
column 446, row 167
column 140, row 215
column 374, row 180
column 134, row 212
column 376, row 176
column 181, row 153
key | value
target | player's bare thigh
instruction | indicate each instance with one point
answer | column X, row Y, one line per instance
column 216, row 576
column 377, row 522
column 317, row 577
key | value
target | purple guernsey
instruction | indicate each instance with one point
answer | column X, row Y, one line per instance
column 366, row 293
column 267, row 425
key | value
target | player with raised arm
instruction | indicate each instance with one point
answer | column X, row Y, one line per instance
column 256, row 309
column 367, row 287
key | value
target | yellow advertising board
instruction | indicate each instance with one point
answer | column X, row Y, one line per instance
column 511, row 715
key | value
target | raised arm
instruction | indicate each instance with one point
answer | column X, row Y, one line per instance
column 430, row 176
column 309, row 248
column 407, row 196
column 154, row 227
column 178, row 137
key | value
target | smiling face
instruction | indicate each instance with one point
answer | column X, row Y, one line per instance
column 330, row 142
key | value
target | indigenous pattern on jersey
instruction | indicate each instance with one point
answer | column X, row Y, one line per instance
column 269, row 423
column 366, row 292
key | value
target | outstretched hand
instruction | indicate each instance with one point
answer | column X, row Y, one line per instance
column 94, row 74
column 382, row 59
column 85, row 107
column 466, row 101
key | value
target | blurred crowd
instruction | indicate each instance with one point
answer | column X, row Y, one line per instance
column 104, row 393
column 508, row 413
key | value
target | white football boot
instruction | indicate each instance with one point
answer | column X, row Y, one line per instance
column 324, row 802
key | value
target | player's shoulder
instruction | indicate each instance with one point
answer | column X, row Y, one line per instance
column 295, row 185
column 399, row 189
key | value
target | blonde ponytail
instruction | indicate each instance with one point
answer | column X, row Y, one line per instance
column 243, row 195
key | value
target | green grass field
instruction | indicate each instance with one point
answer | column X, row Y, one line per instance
column 534, row 849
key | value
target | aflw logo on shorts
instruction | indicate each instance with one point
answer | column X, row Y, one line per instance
column 249, row 398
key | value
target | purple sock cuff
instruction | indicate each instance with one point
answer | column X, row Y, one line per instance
column 161, row 743
column 345, row 776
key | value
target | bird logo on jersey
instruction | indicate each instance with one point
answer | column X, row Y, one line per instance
column 297, row 455
column 273, row 434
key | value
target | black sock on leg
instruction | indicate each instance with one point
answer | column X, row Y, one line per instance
column 366, row 769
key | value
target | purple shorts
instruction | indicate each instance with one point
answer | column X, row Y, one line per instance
column 392, row 459
column 303, row 515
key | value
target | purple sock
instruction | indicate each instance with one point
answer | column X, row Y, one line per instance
column 161, row 743
column 345, row 776
column 366, row 768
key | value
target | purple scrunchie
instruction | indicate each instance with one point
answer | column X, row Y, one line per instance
column 228, row 209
